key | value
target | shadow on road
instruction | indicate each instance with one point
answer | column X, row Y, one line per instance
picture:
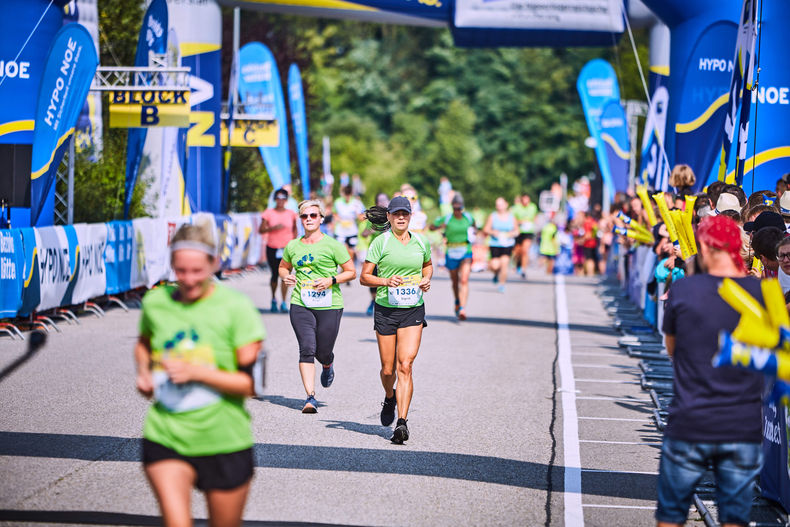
column 351, row 426
column 288, row 402
column 119, row 518
column 467, row 467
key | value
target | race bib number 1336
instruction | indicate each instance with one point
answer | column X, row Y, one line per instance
column 406, row 294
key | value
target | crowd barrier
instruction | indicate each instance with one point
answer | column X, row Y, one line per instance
column 50, row 267
column 635, row 270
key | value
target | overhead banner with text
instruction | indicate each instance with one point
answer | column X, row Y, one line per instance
column 296, row 103
column 143, row 108
column 67, row 77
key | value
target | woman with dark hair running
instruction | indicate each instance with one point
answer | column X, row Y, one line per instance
column 198, row 343
column 371, row 234
column 404, row 274
column 316, row 302
column 459, row 227
column 280, row 223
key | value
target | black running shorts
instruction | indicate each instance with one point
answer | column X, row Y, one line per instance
column 387, row 320
column 496, row 252
column 220, row 471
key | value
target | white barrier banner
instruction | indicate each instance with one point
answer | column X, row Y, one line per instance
column 243, row 227
column 256, row 253
column 91, row 276
column 142, row 228
column 56, row 264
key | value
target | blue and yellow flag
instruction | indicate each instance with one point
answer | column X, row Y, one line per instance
column 67, row 77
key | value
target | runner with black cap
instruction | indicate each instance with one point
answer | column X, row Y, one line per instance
column 404, row 266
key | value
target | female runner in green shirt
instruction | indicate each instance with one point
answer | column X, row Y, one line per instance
column 404, row 274
column 458, row 227
column 195, row 354
column 316, row 301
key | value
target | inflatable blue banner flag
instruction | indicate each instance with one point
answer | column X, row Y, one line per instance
column 296, row 103
column 654, row 171
column 740, row 94
column 614, row 134
column 152, row 39
column 65, row 83
column 597, row 86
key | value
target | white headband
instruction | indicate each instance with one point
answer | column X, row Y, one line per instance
column 195, row 246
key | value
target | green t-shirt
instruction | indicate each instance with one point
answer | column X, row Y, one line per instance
column 525, row 216
column 316, row 260
column 456, row 232
column 548, row 242
column 194, row 419
column 394, row 258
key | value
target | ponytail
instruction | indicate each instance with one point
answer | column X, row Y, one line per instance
column 377, row 216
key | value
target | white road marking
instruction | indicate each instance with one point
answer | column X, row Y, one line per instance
column 609, row 381
column 570, row 425
column 624, row 399
column 619, row 471
column 605, row 506
column 618, row 419
column 603, row 441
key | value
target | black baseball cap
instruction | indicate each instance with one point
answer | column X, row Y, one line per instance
column 281, row 193
column 399, row 203
column 765, row 219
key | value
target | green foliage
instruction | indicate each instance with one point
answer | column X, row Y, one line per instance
column 99, row 187
column 251, row 186
column 119, row 26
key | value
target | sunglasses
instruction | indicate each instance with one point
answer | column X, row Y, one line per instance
column 783, row 256
column 312, row 216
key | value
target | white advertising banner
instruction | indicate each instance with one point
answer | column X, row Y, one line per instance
column 552, row 15
column 56, row 264
column 143, row 228
column 240, row 252
column 91, row 278
column 256, row 251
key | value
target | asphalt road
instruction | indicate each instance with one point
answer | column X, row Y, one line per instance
column 488, row 439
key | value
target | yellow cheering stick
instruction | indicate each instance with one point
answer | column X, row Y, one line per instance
column 775, row 303
column 641, row 191
column 639, row 236
column 631, row 224
column 664, row 211
column 756, row 326
column 688, row 214
column 676, row 216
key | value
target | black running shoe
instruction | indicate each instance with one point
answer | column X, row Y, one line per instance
column 401, row 432
column 388, row 410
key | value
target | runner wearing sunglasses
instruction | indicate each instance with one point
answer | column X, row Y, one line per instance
column 316, row 301
column 404, row 266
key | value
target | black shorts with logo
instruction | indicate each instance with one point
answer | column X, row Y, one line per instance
column 387, row 320
column 220, row 471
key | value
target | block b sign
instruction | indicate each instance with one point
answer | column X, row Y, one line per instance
column 149, row 108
